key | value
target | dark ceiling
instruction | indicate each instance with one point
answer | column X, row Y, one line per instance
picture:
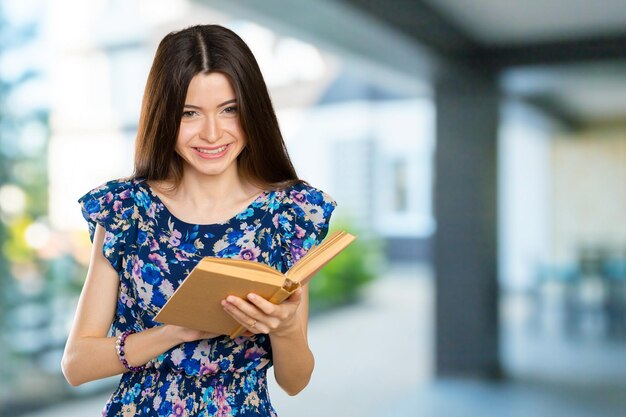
column 566, row 56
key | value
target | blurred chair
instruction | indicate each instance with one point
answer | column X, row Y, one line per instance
column 584, row 299
column 614, row 273
column 557, row 304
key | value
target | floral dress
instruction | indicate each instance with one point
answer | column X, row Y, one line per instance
column 153, row 251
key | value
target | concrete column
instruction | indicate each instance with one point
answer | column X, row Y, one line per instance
column 465, row 244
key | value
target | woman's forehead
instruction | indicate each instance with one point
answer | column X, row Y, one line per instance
column 210, row 90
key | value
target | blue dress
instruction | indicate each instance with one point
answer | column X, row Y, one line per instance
column 153, row 251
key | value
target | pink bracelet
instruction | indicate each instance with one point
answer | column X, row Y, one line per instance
column 119, row 347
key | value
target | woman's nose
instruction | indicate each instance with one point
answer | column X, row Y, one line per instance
column 212, row 130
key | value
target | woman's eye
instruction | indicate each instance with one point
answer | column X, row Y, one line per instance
column 231, row 109
column 189, row 113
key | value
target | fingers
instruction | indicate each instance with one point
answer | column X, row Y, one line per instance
column 246, row 314
column 188, row 335
column 263, row 305
column 259, row 315
column 296, row 297
column 281, row 311
column 252, row 326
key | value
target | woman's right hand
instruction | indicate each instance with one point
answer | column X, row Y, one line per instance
column 185, row 334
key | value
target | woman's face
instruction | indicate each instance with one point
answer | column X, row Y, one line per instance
column 210, row 136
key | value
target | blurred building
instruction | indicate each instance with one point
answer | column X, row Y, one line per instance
column 483, row 144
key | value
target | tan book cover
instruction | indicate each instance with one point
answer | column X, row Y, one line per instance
column 196, row 304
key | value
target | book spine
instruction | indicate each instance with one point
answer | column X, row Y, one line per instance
column 278, row 297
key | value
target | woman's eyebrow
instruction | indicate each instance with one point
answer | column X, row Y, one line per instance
column 232, row 100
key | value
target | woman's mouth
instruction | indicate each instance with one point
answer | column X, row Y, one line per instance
column 212, row 153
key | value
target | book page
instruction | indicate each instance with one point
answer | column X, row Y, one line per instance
column 258, row 266
column 249, row 270
column 319, row 256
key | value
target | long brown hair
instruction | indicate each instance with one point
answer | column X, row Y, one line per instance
column 179, row 57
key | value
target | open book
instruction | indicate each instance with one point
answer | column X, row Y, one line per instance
column 196, row 304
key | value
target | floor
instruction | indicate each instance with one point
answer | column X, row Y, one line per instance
column 373, row 359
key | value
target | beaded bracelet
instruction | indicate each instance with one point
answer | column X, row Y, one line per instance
column 119, row 346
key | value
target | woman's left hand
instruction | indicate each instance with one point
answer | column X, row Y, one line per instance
column 258, row 315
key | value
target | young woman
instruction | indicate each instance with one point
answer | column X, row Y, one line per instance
column 212, row 177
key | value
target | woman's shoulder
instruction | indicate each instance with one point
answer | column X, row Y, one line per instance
column 304, row 205
column 303, row 197
column 116, row 196
column 303, row 221
column 128, row 190
column 112, row 205
column 119, row 187
column 302, row 193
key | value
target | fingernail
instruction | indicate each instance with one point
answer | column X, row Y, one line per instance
column 251, row 297
column 230, row 299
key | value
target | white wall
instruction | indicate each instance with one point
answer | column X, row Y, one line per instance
column 348, row 149
column 524, row 193
column 589, row 192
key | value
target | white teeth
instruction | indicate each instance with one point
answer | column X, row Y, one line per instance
column 213, row 152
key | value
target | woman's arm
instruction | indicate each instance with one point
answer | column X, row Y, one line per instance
column 293, row 359
column 89, row 354
column 286, row 325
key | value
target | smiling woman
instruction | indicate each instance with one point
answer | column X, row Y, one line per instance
column 210, row 129
column 223, row 72
column 212, row 178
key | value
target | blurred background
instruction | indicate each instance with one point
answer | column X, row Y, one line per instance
column 477, row 148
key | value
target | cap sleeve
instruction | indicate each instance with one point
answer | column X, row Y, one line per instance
column 110, row 205
column 304, row 222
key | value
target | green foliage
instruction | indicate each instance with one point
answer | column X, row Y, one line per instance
column 15, row 247
column 23, row 163
column 340, row 281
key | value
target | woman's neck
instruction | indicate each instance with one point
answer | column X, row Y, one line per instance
column 203, row 192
